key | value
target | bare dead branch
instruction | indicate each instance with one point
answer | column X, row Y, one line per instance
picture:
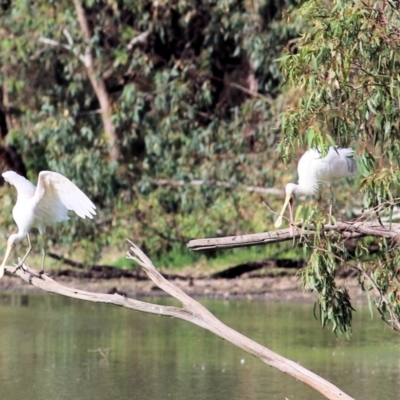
column 68, row 36
column 231, row 242
column 349, row 230
column 55, row 43
column 191, row 311
column 138, row 40
column 250, row 92
column 83, row 22
column 203, row 318
column 200, row 182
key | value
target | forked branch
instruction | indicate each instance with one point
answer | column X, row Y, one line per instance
column 191, row 311
column 200, row 316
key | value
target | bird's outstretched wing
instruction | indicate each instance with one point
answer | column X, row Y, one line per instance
column 55, row 195
column 25, row 189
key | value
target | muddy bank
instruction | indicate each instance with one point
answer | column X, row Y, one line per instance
column 250, row 285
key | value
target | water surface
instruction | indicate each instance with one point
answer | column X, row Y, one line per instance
column 53, row 347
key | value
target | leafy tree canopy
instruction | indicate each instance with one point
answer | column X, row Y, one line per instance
column 134, row 100
column 159, row 110
column 343, row 74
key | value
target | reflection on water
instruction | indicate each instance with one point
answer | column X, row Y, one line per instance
column 57, row 348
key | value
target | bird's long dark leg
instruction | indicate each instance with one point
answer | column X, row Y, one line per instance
column 291, row 213
column 330, row 201
column 377, row 208
column 43, row 253
column 21, row 263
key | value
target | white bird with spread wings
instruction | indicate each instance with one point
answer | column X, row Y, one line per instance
column 313, row 171
column 43, row 205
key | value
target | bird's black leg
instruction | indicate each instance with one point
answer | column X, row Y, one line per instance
column 376, row 209
column 21, row 263
column 330, row 201
column 43, row 253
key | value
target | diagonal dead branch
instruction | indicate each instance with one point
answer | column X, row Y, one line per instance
column 205, row 319
column 191, row 311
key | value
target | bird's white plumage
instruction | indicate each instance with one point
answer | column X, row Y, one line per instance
column 45, row 204
column 314, row 170
column 25, row 189
column 55, row 195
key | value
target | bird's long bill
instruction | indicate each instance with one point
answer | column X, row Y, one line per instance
column 8, row 251
column 278, row 221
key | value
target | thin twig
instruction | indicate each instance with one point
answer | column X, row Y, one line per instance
column 393, row 323
column 68, row 36
column 74, row 50
column 139, row 39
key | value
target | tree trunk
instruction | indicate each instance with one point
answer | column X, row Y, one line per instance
column 98, row 85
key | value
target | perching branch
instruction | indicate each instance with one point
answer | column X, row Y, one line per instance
column 348, row 230
column 190, row 311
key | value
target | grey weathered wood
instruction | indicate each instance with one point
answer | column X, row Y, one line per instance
column 347, row 229
column 191, row 311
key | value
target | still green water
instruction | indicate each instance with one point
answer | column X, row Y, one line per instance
column 49, row 349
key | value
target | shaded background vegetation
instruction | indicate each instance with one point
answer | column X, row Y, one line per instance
column 166, row 113
column 192, row 90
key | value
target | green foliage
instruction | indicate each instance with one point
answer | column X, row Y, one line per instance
column 381, row 277
column 194, row 93
column 343, row 66
column 342, row 76
column 327, row 254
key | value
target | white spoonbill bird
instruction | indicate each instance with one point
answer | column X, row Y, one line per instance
column 314, row 171
column 43, row 205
